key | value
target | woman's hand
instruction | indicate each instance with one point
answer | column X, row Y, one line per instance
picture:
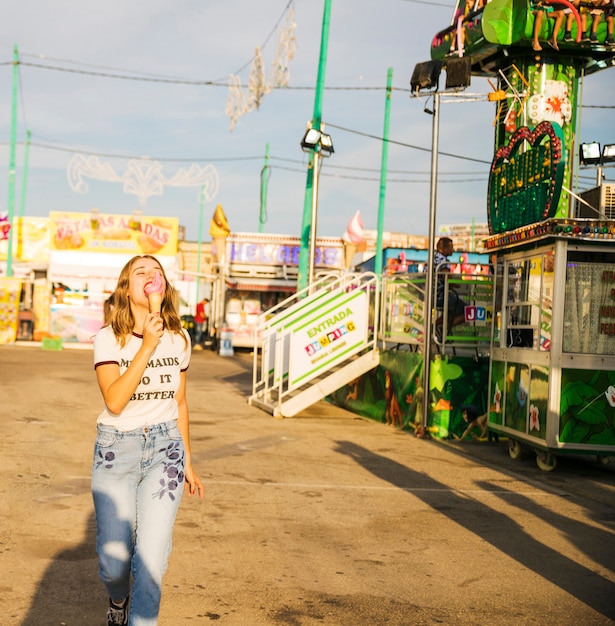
column 153, row 329
column 192, row 484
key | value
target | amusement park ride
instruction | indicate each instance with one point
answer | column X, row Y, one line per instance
column 552, row 360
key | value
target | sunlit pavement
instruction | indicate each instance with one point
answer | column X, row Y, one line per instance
column 325, row 518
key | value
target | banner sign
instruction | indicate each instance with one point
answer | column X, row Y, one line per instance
column 10, row 293
column 277, row 250
column 104, row 232
column 328, row 336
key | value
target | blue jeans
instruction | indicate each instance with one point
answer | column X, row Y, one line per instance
column 198, row 332
column 137, row 485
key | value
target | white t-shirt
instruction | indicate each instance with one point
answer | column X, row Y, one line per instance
column 153, row 401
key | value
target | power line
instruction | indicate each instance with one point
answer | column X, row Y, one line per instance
column 406, row 145
column 149, row 78
column 219, row 82
column 390, row 180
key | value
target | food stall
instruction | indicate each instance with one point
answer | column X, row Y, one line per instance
column 262, row 271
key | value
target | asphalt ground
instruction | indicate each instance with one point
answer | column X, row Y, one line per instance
column 325, row 518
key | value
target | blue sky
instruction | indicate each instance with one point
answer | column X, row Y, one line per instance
column 70, row 112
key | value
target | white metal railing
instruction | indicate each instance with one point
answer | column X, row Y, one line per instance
column 403, row 310
column 278, row 369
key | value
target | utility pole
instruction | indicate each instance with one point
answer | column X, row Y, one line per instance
column 262, row 216
column 24, row 181
column 12, row 150
column 429, row 274
column 383, row 174
column 200, row 242
column 307, row 227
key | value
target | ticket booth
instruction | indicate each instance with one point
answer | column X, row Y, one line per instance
column 552, row 368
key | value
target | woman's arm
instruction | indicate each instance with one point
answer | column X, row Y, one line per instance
column 116, row 388
column 192, row 484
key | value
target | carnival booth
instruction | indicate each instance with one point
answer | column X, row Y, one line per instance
column 552, row 378
column 262, row 272
column 87, row 252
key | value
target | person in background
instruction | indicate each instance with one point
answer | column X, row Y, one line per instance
column 554, row 12
column 456, row 306
column 142, row 461
column 200, row 320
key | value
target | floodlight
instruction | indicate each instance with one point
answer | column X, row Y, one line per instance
column 608, row 153
column 458, row 72
column 310, row 139
column 326, row 145
column 590, row 153
column 317, row 140
column 426, row 75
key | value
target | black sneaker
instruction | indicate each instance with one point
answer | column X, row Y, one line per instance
column 117, row 614
column 568, row 36
column 593, row 37
column 585, row 38
column 609, row 42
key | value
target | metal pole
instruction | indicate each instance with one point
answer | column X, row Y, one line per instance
column 24, row 182
column 307, row 229
column 383, row 174
column 262, row 216
column 12, row 150
column 200, row 241
column 429, row 278
column 312, row 255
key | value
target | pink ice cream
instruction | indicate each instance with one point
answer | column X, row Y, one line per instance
column 352, row 237
column 154, row 290
column 354, row 230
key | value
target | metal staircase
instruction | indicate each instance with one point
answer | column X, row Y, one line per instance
column 316, row 341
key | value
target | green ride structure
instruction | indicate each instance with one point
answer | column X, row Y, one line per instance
column 552, row 357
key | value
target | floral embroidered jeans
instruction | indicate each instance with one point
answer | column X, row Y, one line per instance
column 137, row 484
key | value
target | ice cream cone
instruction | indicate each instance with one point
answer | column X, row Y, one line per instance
column 154, row 290
column 155, row 302
column 349, row 252
column 220, row 244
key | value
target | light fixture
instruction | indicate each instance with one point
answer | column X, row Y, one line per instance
column 458, row 72
column 608, row 153
column 310, row 139
column 426, row 75
column 317, row 140
column 326, row 145
column 590, row 153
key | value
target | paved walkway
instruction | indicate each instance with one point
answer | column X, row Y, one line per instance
column 325, row 518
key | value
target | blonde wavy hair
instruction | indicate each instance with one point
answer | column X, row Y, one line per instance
column 121, row 318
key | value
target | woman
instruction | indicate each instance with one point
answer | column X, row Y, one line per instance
column 142, row 451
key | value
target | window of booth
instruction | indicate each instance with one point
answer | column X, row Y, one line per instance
column 528, row 302
column 589, row 307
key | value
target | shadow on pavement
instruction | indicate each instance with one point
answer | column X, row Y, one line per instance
column 498, row 529
column 70, row 591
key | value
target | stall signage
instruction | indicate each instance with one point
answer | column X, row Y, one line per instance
column 124, row 234
column 5, row 227
column 525, row 180
column 477, row 315
column 329, row 336
column 274, row 254
column 10, row 293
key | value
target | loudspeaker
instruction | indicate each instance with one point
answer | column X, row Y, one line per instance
column 425, row 75
column 458, row 72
